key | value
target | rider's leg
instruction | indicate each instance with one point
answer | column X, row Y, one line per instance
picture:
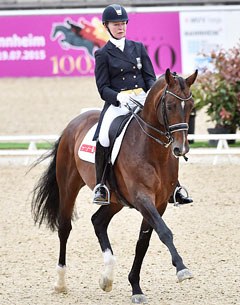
column 100, row 193
column 101, row 159
column 179, row 196
column 102, row 151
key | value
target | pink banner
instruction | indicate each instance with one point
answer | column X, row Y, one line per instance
column 64, row 45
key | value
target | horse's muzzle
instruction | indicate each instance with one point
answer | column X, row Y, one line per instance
column 180, row 151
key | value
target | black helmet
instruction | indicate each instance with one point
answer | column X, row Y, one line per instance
column 115, row 13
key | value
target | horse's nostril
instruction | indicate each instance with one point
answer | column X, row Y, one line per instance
column 177, row 151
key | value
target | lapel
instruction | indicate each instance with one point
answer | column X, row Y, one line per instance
column 126, row 55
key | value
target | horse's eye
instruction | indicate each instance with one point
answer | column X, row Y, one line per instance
column 170, row 106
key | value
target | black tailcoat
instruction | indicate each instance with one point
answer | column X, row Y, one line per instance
column 116, row 71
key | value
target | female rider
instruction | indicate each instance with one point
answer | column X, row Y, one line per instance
column 123, row 69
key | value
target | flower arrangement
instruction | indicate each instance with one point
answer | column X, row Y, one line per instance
column 218, row 88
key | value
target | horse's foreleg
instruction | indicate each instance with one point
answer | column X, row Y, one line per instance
column 101, row 220
column 134, row 276
column 152, row 216
column 107, row 274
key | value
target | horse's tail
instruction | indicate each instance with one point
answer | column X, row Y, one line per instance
column 45, row 200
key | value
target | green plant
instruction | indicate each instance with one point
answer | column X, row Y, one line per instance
column 218, row 88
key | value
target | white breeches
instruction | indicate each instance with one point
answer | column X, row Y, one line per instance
column 113, row 112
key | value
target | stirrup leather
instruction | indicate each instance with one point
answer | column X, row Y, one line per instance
column 107, row 191
column 179, row 189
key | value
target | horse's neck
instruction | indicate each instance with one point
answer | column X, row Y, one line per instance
column 151, row 105
column 150, row 119
column 148, row 146
column 62, row 28
column 160, row 158
column 149, row 113
column 150, row 154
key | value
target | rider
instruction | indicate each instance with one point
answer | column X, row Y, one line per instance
column 123, row 69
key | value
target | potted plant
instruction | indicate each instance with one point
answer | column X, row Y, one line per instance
column 218, row 89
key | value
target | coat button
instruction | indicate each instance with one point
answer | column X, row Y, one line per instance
column 136, row 86
column 134, row 67
column 121, row 70
column 134, row 76
column 123, row 78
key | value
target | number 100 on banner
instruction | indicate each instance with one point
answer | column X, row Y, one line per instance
column 70, row 65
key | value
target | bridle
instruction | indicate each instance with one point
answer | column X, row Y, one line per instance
column 170, row 129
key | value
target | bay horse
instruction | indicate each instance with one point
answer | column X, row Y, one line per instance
column 146, row 174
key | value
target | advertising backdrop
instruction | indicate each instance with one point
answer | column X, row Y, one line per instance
column 204, row 31
column 63, row 44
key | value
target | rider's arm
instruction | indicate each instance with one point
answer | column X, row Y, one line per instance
column 103, row 80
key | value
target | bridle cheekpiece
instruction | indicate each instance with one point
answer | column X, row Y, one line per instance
column 169, row 128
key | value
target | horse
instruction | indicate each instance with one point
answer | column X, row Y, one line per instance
column 71, row 38
column 145, row 173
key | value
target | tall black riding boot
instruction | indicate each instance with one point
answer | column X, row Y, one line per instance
column 101, row 193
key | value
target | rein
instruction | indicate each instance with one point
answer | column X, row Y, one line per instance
column 141, row 122
column 170, row 129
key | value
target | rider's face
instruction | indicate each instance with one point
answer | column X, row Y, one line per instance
column 118, row 29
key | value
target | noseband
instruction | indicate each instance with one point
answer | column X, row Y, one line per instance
column 170, row 129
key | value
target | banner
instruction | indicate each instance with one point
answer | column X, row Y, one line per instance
column 205, row 31
column 64, row 44
column 61, row 43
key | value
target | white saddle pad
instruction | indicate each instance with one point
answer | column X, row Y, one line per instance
column 87, row 148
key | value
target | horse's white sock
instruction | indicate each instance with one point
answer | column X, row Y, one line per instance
column 60, row 285
column 109, row 263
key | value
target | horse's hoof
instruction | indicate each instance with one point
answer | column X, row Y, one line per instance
column 184, row 274
column 105, row 284
column 60, row 289
column 139, row 299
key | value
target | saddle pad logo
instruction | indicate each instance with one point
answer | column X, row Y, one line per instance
column 88, row 148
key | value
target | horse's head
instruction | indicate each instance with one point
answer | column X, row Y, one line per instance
column 173, row 103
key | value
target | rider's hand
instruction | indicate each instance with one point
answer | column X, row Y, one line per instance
column 123, row 98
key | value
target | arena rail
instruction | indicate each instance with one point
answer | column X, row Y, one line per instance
column 222, row 147
column 32, row 147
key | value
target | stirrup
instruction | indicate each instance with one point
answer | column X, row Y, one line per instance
column 179, row 188
column 107, row 191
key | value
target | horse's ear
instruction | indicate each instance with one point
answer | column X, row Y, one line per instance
column 191, row 79
column 168, row 77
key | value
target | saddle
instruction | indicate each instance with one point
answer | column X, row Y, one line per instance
column 116, row 128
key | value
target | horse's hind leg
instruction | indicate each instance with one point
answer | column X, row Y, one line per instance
column 69, row 186
column 134, row 276
column 101, row 220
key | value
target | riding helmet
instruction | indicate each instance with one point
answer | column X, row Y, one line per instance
column 114, row 13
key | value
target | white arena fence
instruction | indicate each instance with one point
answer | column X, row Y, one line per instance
column 32, row 147
column 222, row 147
